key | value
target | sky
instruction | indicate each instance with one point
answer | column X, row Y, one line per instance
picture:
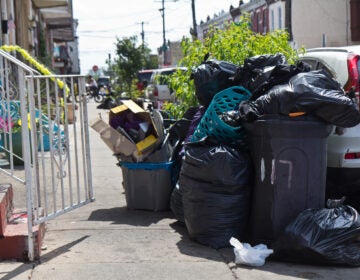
column 100, row 22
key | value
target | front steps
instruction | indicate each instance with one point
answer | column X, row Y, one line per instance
column 14, row 229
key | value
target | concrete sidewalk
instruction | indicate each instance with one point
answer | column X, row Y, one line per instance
column 104, row 240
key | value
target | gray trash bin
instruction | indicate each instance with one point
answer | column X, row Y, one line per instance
column 148, row 186
column 289, row 156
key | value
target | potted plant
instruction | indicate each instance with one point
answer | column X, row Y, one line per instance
column 11, row 137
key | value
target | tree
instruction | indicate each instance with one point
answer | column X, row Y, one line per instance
column 233, row 44
column 129, row 60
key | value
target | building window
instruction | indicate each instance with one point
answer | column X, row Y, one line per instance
column 280, row 19
column 264, row 22
column 272, row 21
column 355, row 20
column 258, row 22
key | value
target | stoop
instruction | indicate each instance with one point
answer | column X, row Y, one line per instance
column 6, row 206
column 14, row 229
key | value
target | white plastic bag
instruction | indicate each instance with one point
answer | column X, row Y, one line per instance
column 253, row 256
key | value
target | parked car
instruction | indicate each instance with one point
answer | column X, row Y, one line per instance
column 158, row 90
column 343, row 157
column 144, row 77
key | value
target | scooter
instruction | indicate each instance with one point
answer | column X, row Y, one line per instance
column 93, row 92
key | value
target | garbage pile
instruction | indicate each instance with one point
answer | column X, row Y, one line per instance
column 247, row 165
column 141, row 143
column 131, row 133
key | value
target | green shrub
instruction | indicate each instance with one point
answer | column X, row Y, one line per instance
column 233, row 44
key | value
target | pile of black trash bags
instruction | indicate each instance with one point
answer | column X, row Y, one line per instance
column 212, row 195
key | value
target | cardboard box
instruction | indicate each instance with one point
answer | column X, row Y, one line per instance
column 119, row 142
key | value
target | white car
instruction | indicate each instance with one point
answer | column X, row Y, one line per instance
column 158, row 90
column 343, row 156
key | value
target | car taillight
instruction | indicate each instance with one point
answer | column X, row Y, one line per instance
column 353, row 81
column 352, row 155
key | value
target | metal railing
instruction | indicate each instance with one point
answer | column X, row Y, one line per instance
column 44, row 141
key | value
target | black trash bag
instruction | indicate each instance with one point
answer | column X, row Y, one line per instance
column 108, row 103
column 176, row 204
column 328, row 236
column 275, row 75
column 210, row 77
column 279, row 100
column 314, row 93
column 215, row 181
column 264, row 60
column 180, row 128
column 179, row 132
column 253, row 66
column 340, row 183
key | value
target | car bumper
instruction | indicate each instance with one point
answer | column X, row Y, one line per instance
column 340, row 145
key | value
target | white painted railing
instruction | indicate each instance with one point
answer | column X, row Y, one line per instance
column 44, row 140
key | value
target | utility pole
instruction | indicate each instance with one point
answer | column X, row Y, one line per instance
column 109, row 65
column 194, row 19
column 142, row 33
column 162, row 11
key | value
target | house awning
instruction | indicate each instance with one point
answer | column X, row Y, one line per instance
column 50, row 3
column 60, row 22
column 62, row 35
column 61, row 28
column 60, row 12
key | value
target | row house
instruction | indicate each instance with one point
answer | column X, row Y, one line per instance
column 172, row 56
column 321, row 23
column 219, row 21
column 259, row 15
column 309, row 23
column 44, row 28
column 328, row 23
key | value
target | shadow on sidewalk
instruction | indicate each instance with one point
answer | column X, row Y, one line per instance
column 122, row 215
column 43, row 259
column 189, row 247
